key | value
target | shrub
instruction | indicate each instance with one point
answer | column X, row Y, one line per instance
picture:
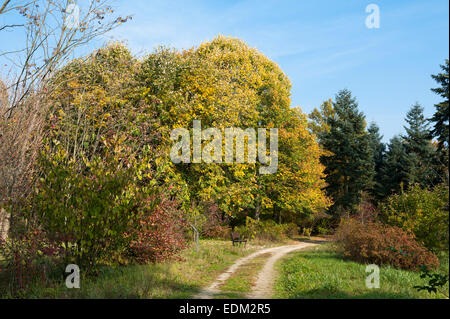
column 21, row 134
column 87, row 213
column 290, row 230
column 159, row 235
column 366, row 210
column 216, row 224
column 267, row 230
column 29, row 258
column 319, row 223
column 270, row 231
column 105, row 178
column 380, row 244
column 306, row 231
column 217, row 231
column 322, row 230
column 423, row 212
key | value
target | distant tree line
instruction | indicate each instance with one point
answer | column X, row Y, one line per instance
column 359, row 165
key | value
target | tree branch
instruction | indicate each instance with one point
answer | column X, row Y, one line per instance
column 11, row 26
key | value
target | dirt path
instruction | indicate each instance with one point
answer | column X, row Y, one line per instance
column 266, row 277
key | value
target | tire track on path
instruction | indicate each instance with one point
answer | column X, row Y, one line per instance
column 266, row 277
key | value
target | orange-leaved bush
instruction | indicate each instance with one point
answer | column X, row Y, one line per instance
column 160, row 233
column 380, row 244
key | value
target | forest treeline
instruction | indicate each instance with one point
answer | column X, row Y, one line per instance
column 361, row 166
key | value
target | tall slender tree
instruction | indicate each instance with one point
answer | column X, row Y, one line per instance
column 350, row 168
column 318, row 123
column 421, row 152
column 394, row 172
column 440, row 120
column 441, row 116
column 378, row 149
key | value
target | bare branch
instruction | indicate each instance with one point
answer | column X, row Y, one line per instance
column 49, row 40
column 11, row 26
column 3, row 7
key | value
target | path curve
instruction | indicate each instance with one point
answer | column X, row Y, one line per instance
column 263, row 288
column 266, row 277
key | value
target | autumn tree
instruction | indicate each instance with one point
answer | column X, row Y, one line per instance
column 224, row 83
column 102, row 154
column 109, row 143
column 258, row 95
column 318, row 123
column 51, row 31
column 297, row 186
column 48, row 33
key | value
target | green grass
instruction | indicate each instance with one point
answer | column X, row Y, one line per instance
column 229, row 295
column 322, row 273
column 176, row 279
column 241, row 282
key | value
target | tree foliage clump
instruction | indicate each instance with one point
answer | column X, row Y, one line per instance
column 108, row 191
column 224, row 83
column 423, row 212
column 101, row 153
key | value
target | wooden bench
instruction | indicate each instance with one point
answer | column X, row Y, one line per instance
column 237, row 239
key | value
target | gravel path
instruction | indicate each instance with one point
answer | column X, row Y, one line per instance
column 266, row 277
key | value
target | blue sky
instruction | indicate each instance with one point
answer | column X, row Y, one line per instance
column 323, row 46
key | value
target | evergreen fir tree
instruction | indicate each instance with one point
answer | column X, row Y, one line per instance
column 441, row 121
column 350, row 168
column 441, row 116
column 421, row 152
column 378, row 149
column 395, row 171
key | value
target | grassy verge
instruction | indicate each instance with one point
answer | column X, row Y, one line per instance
column 241, row 282
column 322, row 273
column 176, row 279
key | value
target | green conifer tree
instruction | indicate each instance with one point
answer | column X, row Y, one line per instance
column 441, row 120
column 421, row 152
column 350, row 168
column 378, row 149
column 394, row 172
column 441, row 116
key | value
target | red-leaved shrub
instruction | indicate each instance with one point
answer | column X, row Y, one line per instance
column 160, row 234
column 216, row 224
column 380, row 244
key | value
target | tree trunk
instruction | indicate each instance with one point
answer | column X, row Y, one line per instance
column 4, row 224
column 258, row 210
